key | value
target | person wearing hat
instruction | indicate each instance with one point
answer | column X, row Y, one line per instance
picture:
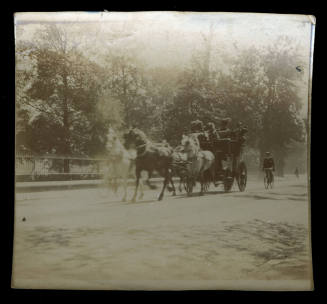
column 268, row 165
column 240, row 132
column 296, row 172
column 224, row 130
column 212, row 132
column 197, row 126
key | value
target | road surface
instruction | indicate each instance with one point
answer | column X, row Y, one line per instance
column 89, row 239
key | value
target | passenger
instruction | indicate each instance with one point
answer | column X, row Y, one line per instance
column 197, row 126
column 213, row 135
column 240, row 132
column 224, row 130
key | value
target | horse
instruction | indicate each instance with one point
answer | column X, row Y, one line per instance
column 121, row 163
column 150, row 157
column 201, row 164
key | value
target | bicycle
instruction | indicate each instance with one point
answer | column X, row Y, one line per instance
column 269, row 178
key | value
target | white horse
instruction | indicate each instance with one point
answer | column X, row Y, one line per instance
column 200, row 162
column 121, row 164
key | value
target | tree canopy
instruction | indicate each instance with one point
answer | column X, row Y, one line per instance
column 67, row 99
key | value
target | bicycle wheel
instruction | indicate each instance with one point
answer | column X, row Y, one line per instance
column 271, row 182
column 265, row 181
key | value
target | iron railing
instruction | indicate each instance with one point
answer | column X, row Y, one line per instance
column 29, row 167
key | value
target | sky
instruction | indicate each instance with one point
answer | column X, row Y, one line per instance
column 170, row 38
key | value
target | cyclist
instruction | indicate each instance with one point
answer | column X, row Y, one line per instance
column 296, row 172
column 268, row 166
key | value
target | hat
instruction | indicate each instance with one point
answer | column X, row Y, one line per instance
column 226, row 120
column 196, row 122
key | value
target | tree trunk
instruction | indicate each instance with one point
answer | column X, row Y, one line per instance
column 66, row 145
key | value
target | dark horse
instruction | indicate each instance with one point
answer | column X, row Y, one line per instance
column 150, row 156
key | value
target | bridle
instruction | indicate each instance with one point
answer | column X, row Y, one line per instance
column 141, row 146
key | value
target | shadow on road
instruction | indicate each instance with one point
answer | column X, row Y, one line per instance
column 140, row 202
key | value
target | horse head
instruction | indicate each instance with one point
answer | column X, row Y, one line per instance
column 134, row 138
column 113, row 144
column 191, row 145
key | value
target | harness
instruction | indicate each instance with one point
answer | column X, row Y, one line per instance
column 140, row 146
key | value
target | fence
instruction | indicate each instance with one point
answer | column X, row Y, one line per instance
column 29, row 167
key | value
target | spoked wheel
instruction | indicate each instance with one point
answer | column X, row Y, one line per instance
column 272, row 182
column 206, row 186
column 269, row 183
column 242, row 176
column 265, row 181
column 228, row 180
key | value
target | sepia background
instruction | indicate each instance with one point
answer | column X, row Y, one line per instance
column 77, row 74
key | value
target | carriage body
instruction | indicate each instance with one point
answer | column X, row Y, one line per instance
column 229, row 165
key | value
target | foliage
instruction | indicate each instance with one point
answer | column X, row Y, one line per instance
column 65, row 101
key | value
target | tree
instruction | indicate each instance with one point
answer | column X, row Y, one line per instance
column 242, row 91
column 62, row 94
column 261, row 91
column 138, row 91
column 196, row 98
column 281, row 123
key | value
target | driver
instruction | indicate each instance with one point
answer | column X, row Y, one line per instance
column 197, row 128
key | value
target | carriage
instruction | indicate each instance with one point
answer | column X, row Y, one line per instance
column 218, row 161
column 229, row 165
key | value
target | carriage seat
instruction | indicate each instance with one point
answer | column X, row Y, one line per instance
column 221, row 144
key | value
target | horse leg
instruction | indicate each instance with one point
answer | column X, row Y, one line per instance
column 172, row 183
column 201, row 177
column 115, row 185
column 213, row 175
column 190, row 185
column 138, row 174
column 141, row 188
column 180, row 187
column 125, row 178
column 166, row 180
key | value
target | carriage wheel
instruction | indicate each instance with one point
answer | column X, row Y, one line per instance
column 206, row 186
column 228, row 181
column 242, row 176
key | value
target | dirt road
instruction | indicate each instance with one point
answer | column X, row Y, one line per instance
column 74, row 239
